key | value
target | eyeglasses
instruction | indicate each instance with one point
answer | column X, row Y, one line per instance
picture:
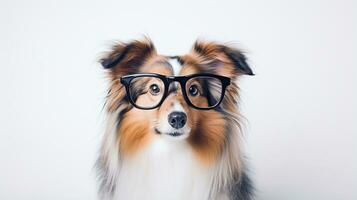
column 201, row 91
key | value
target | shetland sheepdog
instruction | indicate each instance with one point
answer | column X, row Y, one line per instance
column 173, row 127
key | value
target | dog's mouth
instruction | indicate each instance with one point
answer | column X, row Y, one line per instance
column 173, row 134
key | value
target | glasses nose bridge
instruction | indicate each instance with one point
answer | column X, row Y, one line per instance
column 172, row 79
column 174, row 87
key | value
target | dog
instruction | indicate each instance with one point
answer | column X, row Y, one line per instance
column 173, row 127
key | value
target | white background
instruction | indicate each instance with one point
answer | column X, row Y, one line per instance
column 301, row 106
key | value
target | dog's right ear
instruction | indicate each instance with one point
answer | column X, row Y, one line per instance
column 114, row 57
column 126, row 58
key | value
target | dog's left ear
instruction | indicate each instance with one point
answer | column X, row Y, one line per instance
column 238, row 59
column 222, row 59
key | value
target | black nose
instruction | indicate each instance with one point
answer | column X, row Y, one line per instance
column 177, row 119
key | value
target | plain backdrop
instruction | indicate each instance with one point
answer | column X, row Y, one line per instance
column 301, row 132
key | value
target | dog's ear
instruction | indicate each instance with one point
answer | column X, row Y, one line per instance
column 125, row 58
column 222, row 59
column 238, row 59
column 114, row 57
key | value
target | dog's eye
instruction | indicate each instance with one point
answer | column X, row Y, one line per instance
column 193, row 90
column 154, row 89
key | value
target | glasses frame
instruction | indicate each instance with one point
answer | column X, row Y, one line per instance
column 167, row 80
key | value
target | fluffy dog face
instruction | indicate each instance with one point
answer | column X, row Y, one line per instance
column 174, row 119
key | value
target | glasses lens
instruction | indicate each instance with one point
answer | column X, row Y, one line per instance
column 146, row 92
column 204, row 91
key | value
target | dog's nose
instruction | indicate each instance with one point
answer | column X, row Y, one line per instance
column 177, row 119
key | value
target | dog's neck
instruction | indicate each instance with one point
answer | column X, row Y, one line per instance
column 164, row 170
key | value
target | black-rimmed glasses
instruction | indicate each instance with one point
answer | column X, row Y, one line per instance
column 201, row 91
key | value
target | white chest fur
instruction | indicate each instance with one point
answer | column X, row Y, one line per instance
column 165, row 170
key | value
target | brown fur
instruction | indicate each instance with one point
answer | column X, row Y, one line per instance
column 133, row 135
column 208, row 136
